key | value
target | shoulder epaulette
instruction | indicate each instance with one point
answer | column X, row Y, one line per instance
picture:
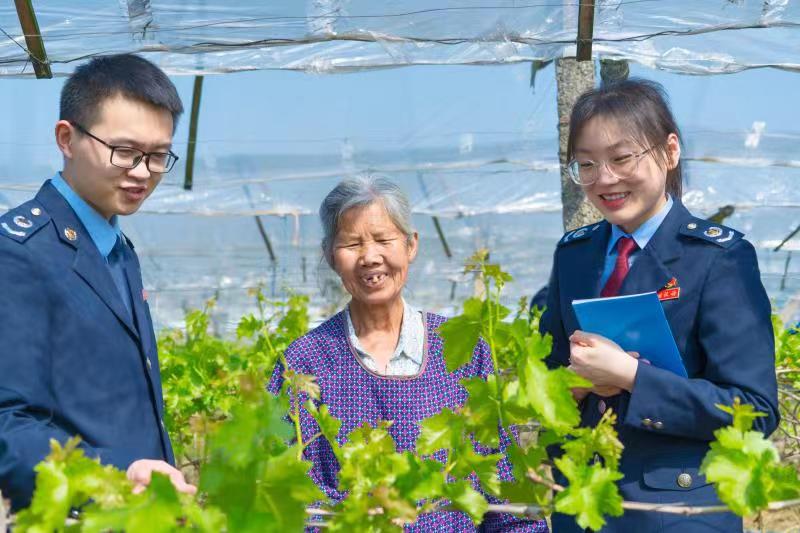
column 23, row 221
column 579, row 234
column 711, row 231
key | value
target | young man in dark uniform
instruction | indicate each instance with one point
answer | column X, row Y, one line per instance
column 78, row 349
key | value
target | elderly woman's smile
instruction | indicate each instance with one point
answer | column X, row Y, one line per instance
column 374, row 279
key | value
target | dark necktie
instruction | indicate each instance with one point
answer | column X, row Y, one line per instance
column 116, row 264
column 625, row 247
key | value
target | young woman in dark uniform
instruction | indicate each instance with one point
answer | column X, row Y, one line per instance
column 625, row 152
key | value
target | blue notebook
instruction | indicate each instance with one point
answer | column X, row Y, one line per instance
column 637, row 323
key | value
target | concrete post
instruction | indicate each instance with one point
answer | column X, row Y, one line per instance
column 573, row 78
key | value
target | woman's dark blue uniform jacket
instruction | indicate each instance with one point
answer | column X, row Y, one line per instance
column 721, row 324
column 74, row 361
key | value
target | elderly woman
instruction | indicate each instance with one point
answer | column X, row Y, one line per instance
column 380, row 359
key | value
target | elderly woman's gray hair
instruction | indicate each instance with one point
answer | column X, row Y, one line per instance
column 361, row 192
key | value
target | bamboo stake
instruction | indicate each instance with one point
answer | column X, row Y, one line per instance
column 33, row 38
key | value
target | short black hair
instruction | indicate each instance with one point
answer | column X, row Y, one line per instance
column 124, row 75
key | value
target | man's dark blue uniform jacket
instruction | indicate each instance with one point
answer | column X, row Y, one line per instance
column 73, row 361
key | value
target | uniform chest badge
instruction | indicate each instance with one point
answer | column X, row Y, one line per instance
column 22, row 222
column 670, row 291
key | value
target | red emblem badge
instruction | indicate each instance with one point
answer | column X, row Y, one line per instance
column 670, row 291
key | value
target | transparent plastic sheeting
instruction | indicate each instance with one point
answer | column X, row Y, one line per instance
column 206, row 36
column 514, row 213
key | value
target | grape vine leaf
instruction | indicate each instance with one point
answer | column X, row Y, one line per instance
column 548, row 393
column 601, row 439
column 591, row 494
column 460, row 334
column 465, row 498
column 158, row 509
column 444, row 430
column 328, row 424
column 745, row 467
column 482, row 408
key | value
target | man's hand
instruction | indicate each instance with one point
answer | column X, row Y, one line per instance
column 140, row 472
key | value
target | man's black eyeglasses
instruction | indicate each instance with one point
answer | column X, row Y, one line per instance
column 128, row 157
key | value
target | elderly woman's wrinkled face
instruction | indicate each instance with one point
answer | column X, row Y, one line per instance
column 371, row 255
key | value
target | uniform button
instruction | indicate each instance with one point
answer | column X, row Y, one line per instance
column 658, row 424
column 646, row 422
column 36, row 211
column 691, row 225
column 685, row 480
column 149, row 364
column 601, row 406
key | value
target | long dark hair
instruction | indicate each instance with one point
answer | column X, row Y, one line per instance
column 638, row 106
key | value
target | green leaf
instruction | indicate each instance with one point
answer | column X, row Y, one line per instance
column 248, row 326
column 591, row 494
column 522, row 490
column 443, row 431
column 421, row 479
column 328, row 425
column 745, row 467
column 525, row 460
column 601, row 439
column 286, row 486
column 369, row 458
column 66, row 479
column 743, row 414
column 481, row 411
column 158, row 509
column 304, row 383
column 460, row 335
column 738, row 478
column 548, row 393
column 466, row 461
column 400, row 509
column 51, row 501
column 464, row 497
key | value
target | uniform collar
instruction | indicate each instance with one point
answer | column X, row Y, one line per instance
column 643, row 233
column 104, row 233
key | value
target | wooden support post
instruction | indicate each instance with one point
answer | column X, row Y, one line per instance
column 33, row 38
column 191, row 145
column 787, row 239
column 265, row 238
column 442, row 238
column 261, row 229
column 786, row 270
column 436, row 223
column 585, row 30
